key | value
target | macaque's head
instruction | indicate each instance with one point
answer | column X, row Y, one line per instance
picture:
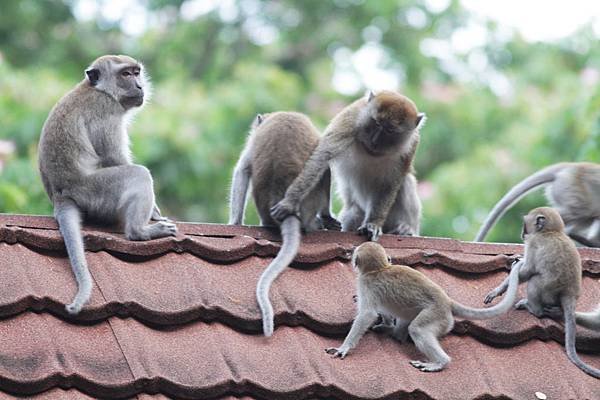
column 542, row 220
column 387, row 122
column 370, row 256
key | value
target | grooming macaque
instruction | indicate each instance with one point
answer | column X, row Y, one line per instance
column 276, row 151
column 370, row 146
column 422, row 309
column 86, row 165
column 552, row 269
column 573, row 189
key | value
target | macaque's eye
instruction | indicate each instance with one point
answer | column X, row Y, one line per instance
column 126, row 74
column 136, row 73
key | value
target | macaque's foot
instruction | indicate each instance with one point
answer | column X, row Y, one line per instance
column 371, row 230
column 282, row 210
column 521, row 304
column 384, row 328
column 404, row 230
column 341, row 353
column 427, row 366
column 330, row 223
column 555, row 312
column 162, row 229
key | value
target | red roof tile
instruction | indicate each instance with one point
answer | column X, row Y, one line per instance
column 178, row 318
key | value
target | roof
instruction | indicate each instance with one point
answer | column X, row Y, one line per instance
column 177, row 318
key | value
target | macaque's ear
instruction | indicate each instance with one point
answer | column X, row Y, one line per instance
column 257, row 121
column 421, row 118
column 389, row 259
column 540, row 222
column 93, row 74
column 371, row 96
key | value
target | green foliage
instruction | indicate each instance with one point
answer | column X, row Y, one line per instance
column 214, row 72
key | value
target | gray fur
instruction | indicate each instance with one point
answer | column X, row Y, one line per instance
column 572, row 188
column 552, row 270
column 86, row 165
column 276, row 151
column 370, row 147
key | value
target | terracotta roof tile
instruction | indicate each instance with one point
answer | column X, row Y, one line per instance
column 178, row 318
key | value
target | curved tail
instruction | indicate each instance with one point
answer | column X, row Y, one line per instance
column 515, row 194
column 290, row 234
column 568, row 306
column 69, row 222
column 507, row 302
column 590, row 320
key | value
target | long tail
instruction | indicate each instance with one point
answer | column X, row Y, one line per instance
column 69, row 223
column 290, row 234
column 568, row 305
column 507, row 302
column 515, row 194
column 590, row 320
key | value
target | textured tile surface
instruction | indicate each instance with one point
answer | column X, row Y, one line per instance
column 177, row 318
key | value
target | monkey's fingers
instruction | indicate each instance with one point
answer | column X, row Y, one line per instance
column 490, row 297
column 282, row 210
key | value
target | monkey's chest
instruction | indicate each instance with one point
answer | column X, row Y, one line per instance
column 360, row 177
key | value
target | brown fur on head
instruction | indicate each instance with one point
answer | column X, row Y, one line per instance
column 369, row 257
column 542, row 220
column 387, row 122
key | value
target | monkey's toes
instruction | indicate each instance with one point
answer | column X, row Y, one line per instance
column 331, row 223
column 426, row 366
column 521, row 304
column 372, row 231
column 335, row 352
column 553, row 311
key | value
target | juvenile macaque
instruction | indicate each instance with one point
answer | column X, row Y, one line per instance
column 552, row 269
column 422, row 309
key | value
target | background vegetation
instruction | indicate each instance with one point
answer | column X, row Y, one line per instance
column 498, row 109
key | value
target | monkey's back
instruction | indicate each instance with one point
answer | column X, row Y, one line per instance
column 281, row 144
column 400, row 289
column 560, row 266
column 576, row 191
column 64, row 151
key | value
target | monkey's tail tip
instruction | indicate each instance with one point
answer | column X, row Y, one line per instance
column 74, row 308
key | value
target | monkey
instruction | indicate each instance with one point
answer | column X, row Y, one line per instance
column 370, row 146
column 552, row 269
column 422, row 308
column 277, row 148
column 572, row 188
column 86, row 165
